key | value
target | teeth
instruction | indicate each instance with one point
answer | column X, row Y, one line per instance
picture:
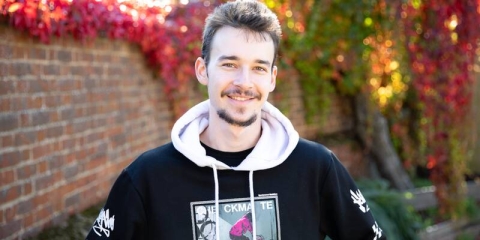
column 240, row 98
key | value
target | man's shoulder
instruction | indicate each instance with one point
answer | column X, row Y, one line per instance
column 154, row 159
column 309, row 147
column 311, row 153
column 165, row 150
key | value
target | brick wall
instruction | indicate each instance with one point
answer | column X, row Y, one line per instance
column 73, row 115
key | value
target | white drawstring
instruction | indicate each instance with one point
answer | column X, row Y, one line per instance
column 217, row 210
column 252, row 204
column 217, row 207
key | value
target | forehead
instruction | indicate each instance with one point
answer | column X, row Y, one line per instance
column 244, row 44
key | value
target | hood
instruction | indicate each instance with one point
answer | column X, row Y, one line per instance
column 277, row 141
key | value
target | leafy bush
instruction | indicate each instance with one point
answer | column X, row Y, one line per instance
column 393, row 215
column 75, row 228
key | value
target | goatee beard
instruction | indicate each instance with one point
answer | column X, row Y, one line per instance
column 227, row 118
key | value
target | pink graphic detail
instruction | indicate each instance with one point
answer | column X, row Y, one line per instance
column 241, row 227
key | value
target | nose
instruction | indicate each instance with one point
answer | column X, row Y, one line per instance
column 243, row 78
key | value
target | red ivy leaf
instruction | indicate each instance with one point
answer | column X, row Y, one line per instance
column 14, row 7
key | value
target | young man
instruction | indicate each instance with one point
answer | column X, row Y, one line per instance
column 234, row 155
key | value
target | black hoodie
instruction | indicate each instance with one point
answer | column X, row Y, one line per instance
column 298, row 188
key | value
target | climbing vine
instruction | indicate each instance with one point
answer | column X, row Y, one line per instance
column 416, row 59
column 442, row 40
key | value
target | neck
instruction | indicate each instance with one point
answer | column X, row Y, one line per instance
column 228, row 138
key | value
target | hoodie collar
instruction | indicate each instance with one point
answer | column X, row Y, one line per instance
column 277, row 141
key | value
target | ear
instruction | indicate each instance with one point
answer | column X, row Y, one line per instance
column 273, row 80
column 201, row 71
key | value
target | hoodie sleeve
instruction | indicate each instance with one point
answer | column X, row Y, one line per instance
column 344, row 212
column 123, row 216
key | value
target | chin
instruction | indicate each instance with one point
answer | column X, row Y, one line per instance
column 242, row 121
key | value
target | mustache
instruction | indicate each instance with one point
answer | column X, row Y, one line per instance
column 240, row 92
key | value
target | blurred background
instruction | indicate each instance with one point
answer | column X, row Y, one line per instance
column 392, row 87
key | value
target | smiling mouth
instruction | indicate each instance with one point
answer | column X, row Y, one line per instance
column 239, row 95
column 240, row 98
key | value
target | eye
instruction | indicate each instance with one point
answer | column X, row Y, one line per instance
column 261, row 69
column 229, row 65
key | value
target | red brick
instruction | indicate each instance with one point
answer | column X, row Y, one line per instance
column 10, row 194
column 66, row 85
column 72, row 200
column 27, row 188
column 44, row 85
column 4, row 68
column 41, row 135
column 43, row 213
column 55, row 162
column 44, row 182
column 25, row 120
column 71, row 171
column 64, row 70
column 79, row 112
column 54, row 131
column 85, row 56
column 28, row 220
column 71, row 157
column 37, row 53
column 64, row 56
column 10, row 213
column 40, row 118
column 25, row 155
column 19, row 103
column 35, row 102
column 66, row 99
column 7, row 141
column 22, row 86
column 37, row 69
column 52, row 70
column 54, row 116
column 42, row 199
column 67, row 113
column 2, row 218
column 8, row 121
column 56, row 146
column 6, row 87
column 53, row 101
column 27, row 171
column 25, row 138
column 25, row 206
column 68, row 143
column 7, row 177
column 40, row 151
column 42, row 167
column 81, row 154
column 9, row 159
column 6, row 51
column 5, row 104
column 50, row 54
column 20, row 52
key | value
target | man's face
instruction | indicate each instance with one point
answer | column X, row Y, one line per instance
column 239, row 75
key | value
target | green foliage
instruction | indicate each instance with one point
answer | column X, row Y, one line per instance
column 465, row 236
column 75, row 228
column 393, row 215
column 325, row 41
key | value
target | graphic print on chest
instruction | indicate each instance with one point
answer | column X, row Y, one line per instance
column 236, row 219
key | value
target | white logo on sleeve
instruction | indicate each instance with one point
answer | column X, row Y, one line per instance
column 104, row 223
column 360, row 200
column 377, row 230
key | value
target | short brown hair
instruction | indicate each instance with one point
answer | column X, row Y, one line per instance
column 250, row 15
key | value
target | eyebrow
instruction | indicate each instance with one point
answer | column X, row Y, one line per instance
column 235, row 58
